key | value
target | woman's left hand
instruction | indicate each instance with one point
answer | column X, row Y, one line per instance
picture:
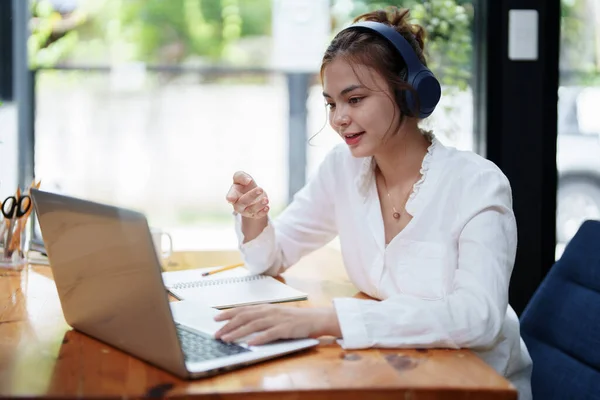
column 276, row 322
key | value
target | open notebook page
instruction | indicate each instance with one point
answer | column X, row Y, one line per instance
column 236, row 287
column 192, row 275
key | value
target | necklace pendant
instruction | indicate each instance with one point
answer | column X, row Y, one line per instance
column 396, row 215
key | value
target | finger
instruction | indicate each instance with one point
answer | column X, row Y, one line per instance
column 233, row 194
column 257, row 205
column 256, row 214
column 242, row 178
column 268, row 336
column 228, row 314
column 237, row 190
column 232, row 312
column 235, row 322
column 247, row 199
column 257, row 325
column 262, row 213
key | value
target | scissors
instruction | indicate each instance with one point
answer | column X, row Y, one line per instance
column 13, row 208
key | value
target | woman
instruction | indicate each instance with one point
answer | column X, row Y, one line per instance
column 427, row 229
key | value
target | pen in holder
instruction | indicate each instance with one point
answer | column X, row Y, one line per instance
column 15, row 211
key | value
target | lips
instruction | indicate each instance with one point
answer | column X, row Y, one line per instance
column 352, row 135
column 353, row 138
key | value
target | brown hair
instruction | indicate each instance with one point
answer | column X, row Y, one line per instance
column 369, row 49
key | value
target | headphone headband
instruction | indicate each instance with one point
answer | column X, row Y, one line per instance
column 419, row 76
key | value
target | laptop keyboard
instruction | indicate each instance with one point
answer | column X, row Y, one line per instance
column 197, row 347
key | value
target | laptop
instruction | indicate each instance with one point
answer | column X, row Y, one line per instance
column 110, row 287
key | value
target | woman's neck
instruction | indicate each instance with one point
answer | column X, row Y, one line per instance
column 403, row 156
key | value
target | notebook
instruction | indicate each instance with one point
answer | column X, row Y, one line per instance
column 232, row 288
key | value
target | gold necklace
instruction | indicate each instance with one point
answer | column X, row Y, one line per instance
column 395, row 213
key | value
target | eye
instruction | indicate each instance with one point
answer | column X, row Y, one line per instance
column 331, row 106
column 355, row 100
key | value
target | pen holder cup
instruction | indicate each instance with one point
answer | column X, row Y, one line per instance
column 16, row 262
column 11, row 258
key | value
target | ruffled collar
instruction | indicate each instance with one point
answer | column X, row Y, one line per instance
column 366, row 174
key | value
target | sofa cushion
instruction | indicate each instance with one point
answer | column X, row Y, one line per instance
column 561, row 323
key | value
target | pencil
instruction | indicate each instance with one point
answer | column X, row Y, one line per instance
column 214, row 271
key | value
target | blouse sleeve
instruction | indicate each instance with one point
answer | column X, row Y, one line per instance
column 473, row 312
column 306, row 224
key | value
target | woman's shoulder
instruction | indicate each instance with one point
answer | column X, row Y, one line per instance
column 466, row 165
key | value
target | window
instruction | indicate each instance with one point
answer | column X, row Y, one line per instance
column 578, row 146
column 153, row 104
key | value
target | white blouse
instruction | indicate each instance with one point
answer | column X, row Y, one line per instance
column 442, row 281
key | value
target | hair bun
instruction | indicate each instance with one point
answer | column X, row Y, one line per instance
column 398, row 18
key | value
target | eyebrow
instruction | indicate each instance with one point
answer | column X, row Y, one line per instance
column 345, row 91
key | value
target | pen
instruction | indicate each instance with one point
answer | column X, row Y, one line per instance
column 222, row 269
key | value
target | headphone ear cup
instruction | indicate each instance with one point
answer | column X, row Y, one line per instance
column 429, row 92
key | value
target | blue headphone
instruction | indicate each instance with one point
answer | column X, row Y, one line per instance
column 419, row 76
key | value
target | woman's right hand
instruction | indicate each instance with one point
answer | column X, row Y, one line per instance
column 247, row 198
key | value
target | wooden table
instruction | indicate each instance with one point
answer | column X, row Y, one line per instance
column 40, row 356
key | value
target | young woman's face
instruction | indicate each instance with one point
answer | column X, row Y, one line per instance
column 361, row 107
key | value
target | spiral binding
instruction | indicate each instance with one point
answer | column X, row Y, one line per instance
column 223, row 281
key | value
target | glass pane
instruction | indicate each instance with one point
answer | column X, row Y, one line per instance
column 168, row 147
column 578, row 153
column 134, row 118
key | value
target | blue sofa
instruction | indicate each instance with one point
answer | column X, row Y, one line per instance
column 561, row 323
